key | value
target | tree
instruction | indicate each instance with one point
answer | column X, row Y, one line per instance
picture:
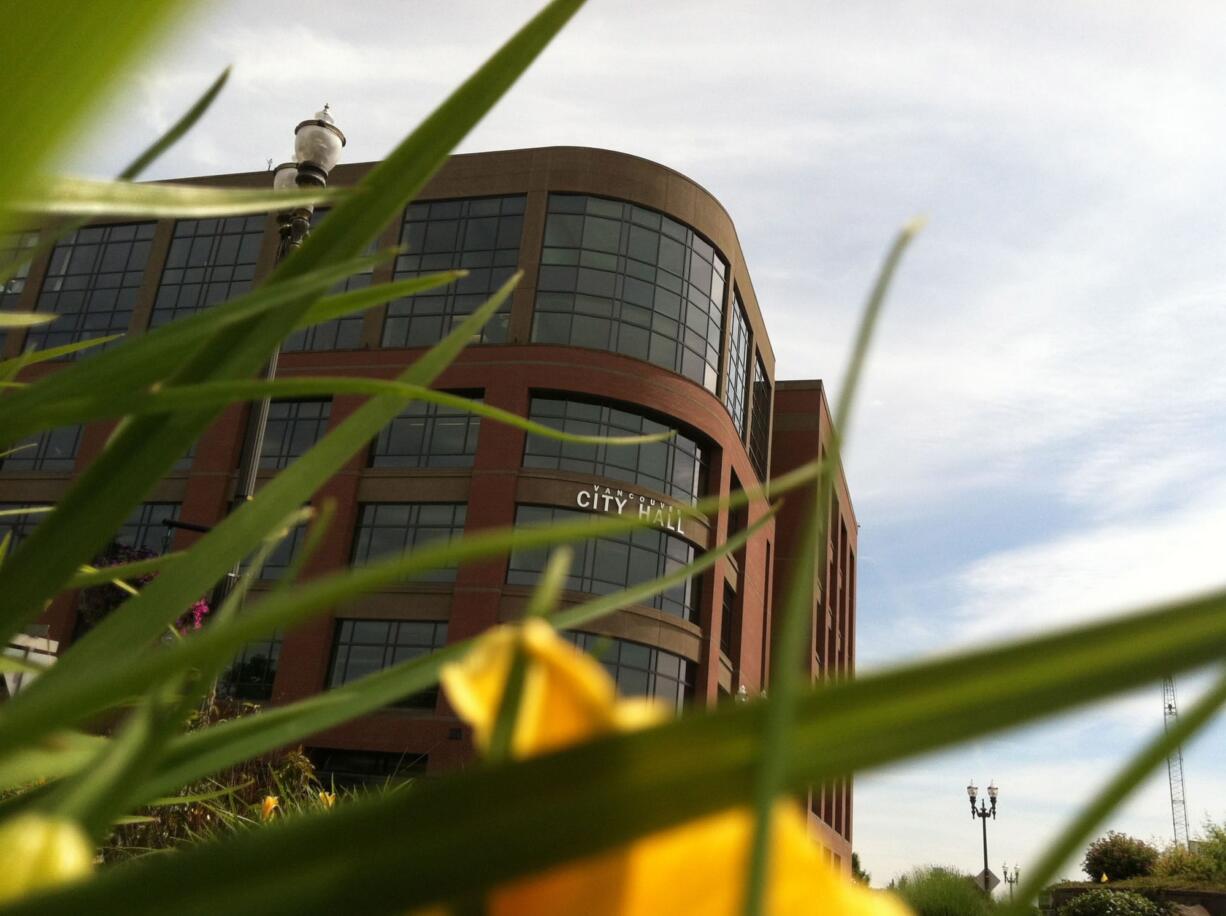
column 858, row 872
column 1119, row 856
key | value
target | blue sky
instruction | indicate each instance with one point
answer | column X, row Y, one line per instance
column 1042, row 434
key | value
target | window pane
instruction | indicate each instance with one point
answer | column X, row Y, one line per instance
column 220, row 259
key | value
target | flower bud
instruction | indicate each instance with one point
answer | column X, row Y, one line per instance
column 39, row 852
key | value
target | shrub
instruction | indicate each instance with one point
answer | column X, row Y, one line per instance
column 937, row 891
column 1181, row 862
column 1119, row 856
column 1103, row 902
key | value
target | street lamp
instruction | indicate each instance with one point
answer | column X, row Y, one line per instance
column 317, row 149
column 983, row 812
column 1011, row 879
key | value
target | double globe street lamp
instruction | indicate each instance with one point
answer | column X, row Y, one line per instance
column 983, row 812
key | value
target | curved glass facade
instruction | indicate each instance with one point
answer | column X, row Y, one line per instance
column 618, row 277
column 640, row 670
column 609, row 564
column 738, row 366
column 677, row 467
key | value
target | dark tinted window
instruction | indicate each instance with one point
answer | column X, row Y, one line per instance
column 92, row 283
column 210, row 262
column 50, row 450
column 676, row 467
column 391, row 528
column 363, row 647
column 251, row 675
column 609, row 564
column 617, row 277
column 738, row 367
column 427, row 436
column 759, row 434
column 340, row 333
column 641, row 670
column 293, row 427
column 480, row 235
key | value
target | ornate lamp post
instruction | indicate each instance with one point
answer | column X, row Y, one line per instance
column 1011, row 879
column 983, row 812
column 317, row 149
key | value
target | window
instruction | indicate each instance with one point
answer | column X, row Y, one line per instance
column 728, row 621
column 343, row 333
column 293, row 427
column 19, row 526
column 356, row 769
column 611, row 563
column 210, row 262
column 92, row 283
column 738, row 366
column 144, row 526
column 363, row 647
column 677, row 467
column 389, row 528
column 250, row 677
column 282, row 556
column 759, row 434
column 640, row 670
column 49, row 450
column 15, row 246
column 480, row 235
column 428, row 436
column 617, row 277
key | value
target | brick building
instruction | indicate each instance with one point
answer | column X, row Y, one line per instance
column 636, row 313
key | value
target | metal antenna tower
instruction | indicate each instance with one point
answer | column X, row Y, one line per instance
column 1174, row 765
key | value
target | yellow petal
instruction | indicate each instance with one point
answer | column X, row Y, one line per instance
column 567, row 696
column 271, row 803
column 698, row 867
column 39, row 852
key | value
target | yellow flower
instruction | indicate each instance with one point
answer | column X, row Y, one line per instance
column 41, row 851
column 698, row 867
column 1104, row 879
column 271, row 803
column 328, row 798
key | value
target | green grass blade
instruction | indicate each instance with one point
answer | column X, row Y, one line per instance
column 10, row 367
column 153, row 357
column 63, row 58
column 199, row 754
column 24, row 319
column 92, row 197
column 57, row 756
column 237, row 534
column 177, row 130
column 556, row 808
column 797, row 608
column 90, row 576
column 1124, row 783
column 342, row 304
column 101, row 405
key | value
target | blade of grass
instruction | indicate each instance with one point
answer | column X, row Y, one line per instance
column 198, row 754
column 1074, row 837
column 24, row 319
column 357, row 300
column 63, row 60
column 146, row 447
column 56, row 756
column 10, row 367
column 214, row 394
column 62, row 196
column 234, row 536
column 798, row 607
column 88, row 576
column 556, row 808
column 49, row 236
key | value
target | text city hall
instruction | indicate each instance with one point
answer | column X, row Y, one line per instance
column 606, row 499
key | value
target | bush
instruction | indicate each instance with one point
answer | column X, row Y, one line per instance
column 936, row 891
column 1103, row 902
column 1181, row 862
column 1119, row 856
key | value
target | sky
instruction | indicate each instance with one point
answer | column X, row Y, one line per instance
column 1041, row 436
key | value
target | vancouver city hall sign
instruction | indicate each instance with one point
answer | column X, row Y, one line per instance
column 600, row 498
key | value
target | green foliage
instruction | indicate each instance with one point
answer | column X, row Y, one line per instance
column 169, row 384
column 1118, row 856
column 858, row 872
column 1105, row 902
column 937, row 891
